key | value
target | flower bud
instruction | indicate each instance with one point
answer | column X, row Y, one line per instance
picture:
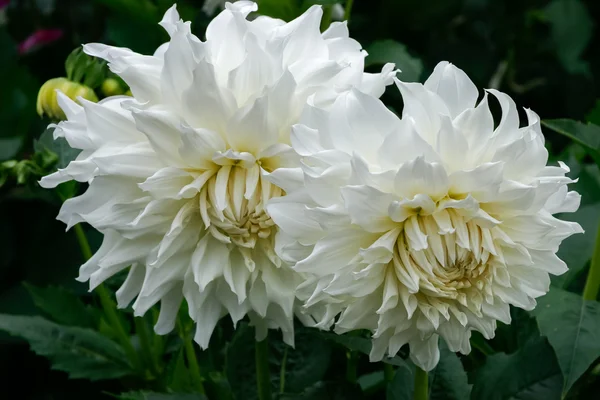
column 111, row 87
column 47, row 102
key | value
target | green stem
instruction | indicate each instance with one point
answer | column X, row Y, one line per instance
column 348, row 9
column 108, row 305
column 326, row 19
column 84, row 245
column 263, row 380
column 421, row 390
column 351, row 366
column 282, row 371
column 388, row 372
column 190, row 354
column 592, row 284
column 141, row 328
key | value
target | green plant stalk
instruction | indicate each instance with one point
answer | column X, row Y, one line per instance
column 282, row 371
column 263, row 380
column 348, row 9
column 107, row 304
column 351, row 366
column 190, row 354
column 388, row 372
column 421, row 381
column 592, row 283
column 326, row 19
column 141, row 328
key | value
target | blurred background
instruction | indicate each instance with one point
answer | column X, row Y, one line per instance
column 545, row 54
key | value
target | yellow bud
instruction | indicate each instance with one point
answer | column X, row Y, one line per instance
column 47, row 102
column 111, row 87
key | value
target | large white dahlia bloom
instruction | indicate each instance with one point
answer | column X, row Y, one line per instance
column 176, row 172
column 425, row 226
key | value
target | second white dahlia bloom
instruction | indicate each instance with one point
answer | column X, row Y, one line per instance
column 176, row 172
column 425, row 226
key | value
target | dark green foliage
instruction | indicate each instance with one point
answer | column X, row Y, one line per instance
column 82, row 353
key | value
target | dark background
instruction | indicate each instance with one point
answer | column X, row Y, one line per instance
column 545, row 54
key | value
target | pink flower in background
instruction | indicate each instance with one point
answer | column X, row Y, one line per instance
column 38, row 38
column 4, row 3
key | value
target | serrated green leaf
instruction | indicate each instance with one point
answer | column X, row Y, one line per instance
column 161, row 396
column 576, row 251
column 402, row 387
column 64, row 307
column 82, row 353
column 531, row 373
column 327, row 391
column 306, row 363
column 384, row 51
column 587, row 135
column 572, row 326
column 571, row 27
column 59, row 146
column 448, row 381
column 240, row 364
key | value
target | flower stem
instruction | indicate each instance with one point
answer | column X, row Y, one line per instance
column 282, row 371
column 351, row 366
column 421, row 390
column 348, row 9
column 592, row 284
column 263, row 380
column 84, row 245
column 326, row 19
column 190, row 354
column 388, row 372
column 108, row 305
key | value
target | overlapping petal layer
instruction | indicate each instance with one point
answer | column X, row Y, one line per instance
column 176, row 173
column 426, row 226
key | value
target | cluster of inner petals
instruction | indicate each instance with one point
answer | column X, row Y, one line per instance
column 444, row 257
column 232, row 205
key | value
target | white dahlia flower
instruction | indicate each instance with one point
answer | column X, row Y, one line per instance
column 425, row 226
column 176, row 172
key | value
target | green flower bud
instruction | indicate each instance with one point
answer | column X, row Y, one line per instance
column 111, row 87
column 47, row 102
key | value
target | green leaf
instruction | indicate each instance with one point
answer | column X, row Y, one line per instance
column 402, row 387
column 9, row 147
column 448, row 381
column 384, row 51
column 577, row 250
column 240, row 364
column 587, row 135
column 327, row 391
column 572, row 326
column 161, row 396
column 59, row 146
column 571, row 27
column 362, row 345
column 178, row 376
column 82, row 353
column 306, row 363
column 593, row 116
column 371, row 383
column 286, row 10
column 531, row 373
column 64, row 306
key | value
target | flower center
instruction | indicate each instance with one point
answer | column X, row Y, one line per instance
column 232, row 205
column 442, row 255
